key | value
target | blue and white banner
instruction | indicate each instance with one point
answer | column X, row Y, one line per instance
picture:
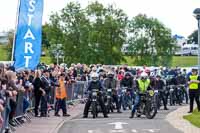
column 28, row 38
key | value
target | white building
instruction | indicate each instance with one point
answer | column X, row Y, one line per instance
column 184, row 48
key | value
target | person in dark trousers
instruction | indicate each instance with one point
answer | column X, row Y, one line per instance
column 111, row 83
column 61, row 95
column 94, row 84
column 38, row 91
column 193, row 82
column 159, row 85
column 181, row 80
column 46, row 87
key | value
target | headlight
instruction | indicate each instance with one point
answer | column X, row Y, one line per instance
column 109, row 90
column 94, row 93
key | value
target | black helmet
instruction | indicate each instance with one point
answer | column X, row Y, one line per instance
column 127, row 74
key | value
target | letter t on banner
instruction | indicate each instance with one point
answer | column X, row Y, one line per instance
column 28, row 38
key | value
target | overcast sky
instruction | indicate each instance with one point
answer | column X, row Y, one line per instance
column 175, row 14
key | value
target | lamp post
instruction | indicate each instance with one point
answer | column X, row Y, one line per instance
column 197, row 16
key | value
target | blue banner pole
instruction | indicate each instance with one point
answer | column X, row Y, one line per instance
column 13, row 45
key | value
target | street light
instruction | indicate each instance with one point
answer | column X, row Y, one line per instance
column 197, row 16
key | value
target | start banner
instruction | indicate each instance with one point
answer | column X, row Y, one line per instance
column 28, row 37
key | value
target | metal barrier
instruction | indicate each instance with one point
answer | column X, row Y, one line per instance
column 75, row 94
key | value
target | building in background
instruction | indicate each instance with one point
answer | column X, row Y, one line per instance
column 4, row 40
column 183, row 48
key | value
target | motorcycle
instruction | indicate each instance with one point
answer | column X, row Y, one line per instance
column 147, row 105
column 126, row 98
column 109, row 101
column 180, row 94
column 95, row 107
column 157, row 98
column 172, row 95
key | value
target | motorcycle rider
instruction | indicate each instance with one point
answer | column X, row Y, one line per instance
column 95, row 84
column 127, row 81
column 142, row 85
column 159, row 85
column 181, row 80
column 111, row 82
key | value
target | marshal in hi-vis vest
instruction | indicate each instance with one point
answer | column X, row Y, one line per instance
column 143, row 85
column 193, row 86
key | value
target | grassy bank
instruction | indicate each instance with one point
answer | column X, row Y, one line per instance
column 4, row 55
column 194, row 118
column 183, row 61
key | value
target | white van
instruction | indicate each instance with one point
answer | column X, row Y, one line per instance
column 188, row 49
column 194, row 49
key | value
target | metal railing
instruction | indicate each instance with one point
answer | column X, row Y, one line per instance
column 75, row 94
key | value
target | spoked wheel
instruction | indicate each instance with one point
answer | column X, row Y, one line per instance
column 94, row 110
column 151, row 110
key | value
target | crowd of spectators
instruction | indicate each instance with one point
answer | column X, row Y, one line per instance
column 46, row 87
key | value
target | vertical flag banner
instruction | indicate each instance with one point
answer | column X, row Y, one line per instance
column 28, row 38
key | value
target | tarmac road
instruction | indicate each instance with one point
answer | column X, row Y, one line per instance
column 120, row 123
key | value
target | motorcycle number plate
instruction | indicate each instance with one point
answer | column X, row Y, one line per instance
column 171, row 89
column 123, row 90
column 156, row 91
column 108, row 96
column 109, row 90
column 151, row 93
column 94, row 100
column 94, row 93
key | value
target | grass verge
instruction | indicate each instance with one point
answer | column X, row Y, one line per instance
column 193, row 118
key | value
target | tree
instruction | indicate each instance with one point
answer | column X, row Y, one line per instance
column 91, row 35
column 193, row 38
column 108, row 32
column 45, row 40
column 150, row 41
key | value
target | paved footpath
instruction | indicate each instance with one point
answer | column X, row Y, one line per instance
column 120, row 123
column 49, row 124
column 176, row 119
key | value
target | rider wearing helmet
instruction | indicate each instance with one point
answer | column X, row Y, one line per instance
column 159, row 85
column 94, row 84
column 142, row 85
column 127, row 81
column 111, row 83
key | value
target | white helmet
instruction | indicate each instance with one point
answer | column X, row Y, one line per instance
column 152, row 74
column 94, row 76
column 144, row 75
column 94, row 69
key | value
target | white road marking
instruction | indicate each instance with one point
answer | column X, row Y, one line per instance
column 152, row 130
column 117, row 131
column 90, row 131
column 134, row 131
column 118, row 125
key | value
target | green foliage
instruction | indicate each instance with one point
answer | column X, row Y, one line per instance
column 193, row 38
column 96, row 34
column 5, row 51
column 91, row 35
column 150, row 41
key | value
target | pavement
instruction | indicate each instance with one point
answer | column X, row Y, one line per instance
column 50, row 124
column 175, row 118
column 120, row 123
